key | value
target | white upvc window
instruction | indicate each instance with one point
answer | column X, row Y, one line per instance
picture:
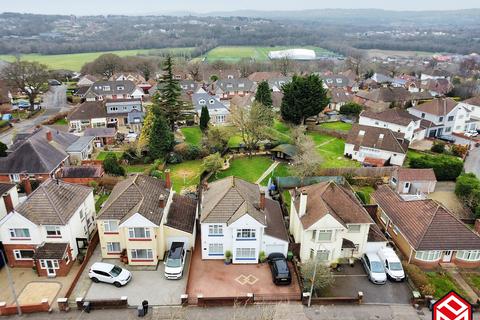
column 432, row 255
column 354, row 228
column 246, row 234
column 384, row 218
column 23, row 254
column 468, row 255
column 215, row 230
column 142, row 254
column 113, row 247
column 325, row 235
column 22, row 233
column 15, row 178
column 110, row 225
column 53, row 231
column 323, row 255
column 139, row 233
column 215, row 249
column 245, row 254
column 43, row 264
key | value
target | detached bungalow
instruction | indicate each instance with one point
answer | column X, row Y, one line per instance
column 426, row 232
column 374, row 146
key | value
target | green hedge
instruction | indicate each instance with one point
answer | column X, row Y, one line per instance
column 446, row 168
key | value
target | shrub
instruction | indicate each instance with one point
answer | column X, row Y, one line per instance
column 94, row 185
column 446, row 168
column 262, row 257
column 173, row 158
column 351, row 109
column 467, row 188
column 187, row 151
column 157, row 174
column 459, row 150
column 419, row 279
column 438, row 147
column 112, row 166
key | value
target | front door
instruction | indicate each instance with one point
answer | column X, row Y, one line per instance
column 50, row 268
column 447, row 256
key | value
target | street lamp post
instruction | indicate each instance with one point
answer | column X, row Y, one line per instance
column 10, row 283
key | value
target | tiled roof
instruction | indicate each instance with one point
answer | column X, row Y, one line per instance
column 229, row 199
column 100, row 132
column 439, row 107
column 386, row 95
column 263, row 76
column 182, row 213
column 88, row 110
column 475, row 101
column 275, row 222
column 82, row 172
column 396, row 116
column 375, row 234
column 407, row 174
column 53, row 202
column 5, row 187
column 377, row 138
column 330, row 198
column 426, row 224
column 51, row 251
column 136, row 194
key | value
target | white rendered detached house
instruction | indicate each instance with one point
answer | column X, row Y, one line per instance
column 236, row 217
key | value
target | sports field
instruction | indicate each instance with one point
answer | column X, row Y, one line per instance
column 75, row 61
column 236, row 53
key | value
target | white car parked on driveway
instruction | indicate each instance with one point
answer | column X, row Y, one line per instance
column 175, row 261
column 374, row 268
column 392, row 264
column 109, row 273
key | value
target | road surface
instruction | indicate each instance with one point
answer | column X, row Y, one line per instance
column 54, row 101
column 472, row 162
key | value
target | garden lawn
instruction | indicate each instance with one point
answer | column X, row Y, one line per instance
column 137, row 168
column 282, row 170
column 193, row 135
column 473, row 279
column 443, row 284
column 331, row 150
column 341, row 126
column 185, row 174
column 61, row 122
column 366, row 190
column 247, row 168
column 103, row 154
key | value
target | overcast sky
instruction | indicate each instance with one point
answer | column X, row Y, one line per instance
column 87, row 7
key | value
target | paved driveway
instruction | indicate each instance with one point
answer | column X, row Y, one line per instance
column 353, row 280
column 145, row 285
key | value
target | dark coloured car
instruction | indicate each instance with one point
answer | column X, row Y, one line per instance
column 279, row 267
column 447, row 138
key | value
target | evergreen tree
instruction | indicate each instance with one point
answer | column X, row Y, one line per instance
column 304, row 97
column 168, row 99
column 204, row 118
column 111, row 165
column 3, row 149
column 264, row 94
column 144, row 138
column 161, row 137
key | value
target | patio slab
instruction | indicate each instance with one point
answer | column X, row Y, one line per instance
column 35, row 292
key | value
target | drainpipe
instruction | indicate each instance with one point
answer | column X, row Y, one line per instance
column 410, row 257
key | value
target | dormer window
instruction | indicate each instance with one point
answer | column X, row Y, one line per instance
column 202, row 102
column 329, row 81
column 361, row 133
column 229, row 85
column 120, row 87
column 381, row 136
column 211, row 101
column 339, row 80
column 241, row 85
column 106, row 88
column 230, row 76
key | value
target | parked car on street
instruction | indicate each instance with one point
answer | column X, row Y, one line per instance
column 109, row 273
column 175, row 262
column 374, row 268
column 393, row 265
column 447, row 138
column 281, row 274
column 471, row 133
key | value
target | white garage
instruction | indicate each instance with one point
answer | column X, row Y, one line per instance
column 272, row 244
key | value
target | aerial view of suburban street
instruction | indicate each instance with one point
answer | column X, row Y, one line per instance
column 264, row 160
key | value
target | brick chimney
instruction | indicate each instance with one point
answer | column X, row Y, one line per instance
column 262, row 200
column 477, row 226
column 7, row 199
column 168, row 180
column 161, row 201
column 26, row 184
column 49, row 136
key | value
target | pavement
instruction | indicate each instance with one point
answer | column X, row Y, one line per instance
column 145, row 285
column 54, row 101
column 352, row 280
column 260, row 312
column 267, row 172
column 472, row 162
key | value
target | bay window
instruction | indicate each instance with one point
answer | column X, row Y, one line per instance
column 432, row 255
column 215, row 249
column 468, row 255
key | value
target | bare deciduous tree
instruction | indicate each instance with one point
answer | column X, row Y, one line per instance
column 307, row 161
column 321, row 275
column 30, row 77
column 194, row 69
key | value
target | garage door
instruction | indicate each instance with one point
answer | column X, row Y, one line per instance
column 271, row 248
column 178, row 239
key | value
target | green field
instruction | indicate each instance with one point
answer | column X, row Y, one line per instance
column 75, row 61
column 236, row 53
